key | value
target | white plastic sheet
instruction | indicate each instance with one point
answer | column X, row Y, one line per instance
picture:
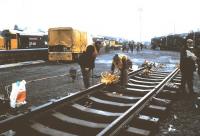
column 190, row 54
column 18, row 94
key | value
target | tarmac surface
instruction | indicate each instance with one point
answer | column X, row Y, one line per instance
column 47, row 80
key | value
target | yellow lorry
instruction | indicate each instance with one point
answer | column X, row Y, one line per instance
column 65, row 43
column 115, row 45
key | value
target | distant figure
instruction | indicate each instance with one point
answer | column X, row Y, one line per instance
column 18, row 40
column 87, row 63
column 127, row 48
column 141, row 46
column 7, row 39
column 131, row 46
column 107, row 48
column 187, row 66
column 138, row 47
column 123, row 47
column 122, row 63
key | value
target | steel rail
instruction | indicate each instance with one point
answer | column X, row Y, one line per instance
column 121, row 122
column 22, row 117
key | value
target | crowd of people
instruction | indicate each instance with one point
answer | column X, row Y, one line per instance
column 131, row 46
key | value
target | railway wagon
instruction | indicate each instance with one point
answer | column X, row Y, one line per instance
column 32, row 41
column 13, row 40
column 195, row 36
column 1, row 42
column 66, row 43
column 22, row 40
column 169, row 42
column 21, row 55
column 156, row 42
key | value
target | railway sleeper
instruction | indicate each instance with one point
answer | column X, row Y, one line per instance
column 100, row 104
column 118, row 96
column 90, row 116
column 133, row 81
column 173, row 86
column 96, row 111
column 162, row 72
column 138, row 86
column 110, row 102
column 176, row 80
column 167, row 94
column 46, row 131
column 155, row 111
column 24, row 129
column 143, row 126
column 133, row 131
column 159, row 74
column 146, row 122
column 161, row 102
column 147, row 79
column 142, row 82
column 133, row 92
column 137, row 92
column 27, row 131
column 178, row 76
column 63, row 123
column 123, row 96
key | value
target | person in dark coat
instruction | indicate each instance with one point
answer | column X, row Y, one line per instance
column 131, row 46
column 18, row 40
column 187, row 66
column 7, row 39
column 122, row 63
column 87, row 63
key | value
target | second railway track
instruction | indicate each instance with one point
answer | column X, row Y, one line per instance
column 101, row 110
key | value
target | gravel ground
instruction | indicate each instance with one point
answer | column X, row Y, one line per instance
column 184, row 118
column 51, row 81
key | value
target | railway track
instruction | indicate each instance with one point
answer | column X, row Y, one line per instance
column 101, row 110
column 20, row 55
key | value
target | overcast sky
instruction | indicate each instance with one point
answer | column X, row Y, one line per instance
column 132, row 19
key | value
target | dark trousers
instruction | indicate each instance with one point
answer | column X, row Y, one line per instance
column 187, row 79
column 86, row 77
column 198, row 63
column 124, row 77
column 8, row 44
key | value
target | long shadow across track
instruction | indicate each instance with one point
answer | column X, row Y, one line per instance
column 102, row 110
